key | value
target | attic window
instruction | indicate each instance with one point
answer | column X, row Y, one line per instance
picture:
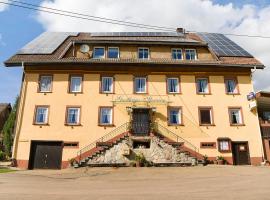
column 99, row 52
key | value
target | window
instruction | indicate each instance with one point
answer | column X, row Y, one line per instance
column 177, row 54
column 231, row 86
column 175, row 116
column 71, row 144
column 45, row 83
column 140, row 85
column 73, row 116
column 143, row 53
column 224, row 144
column 105, row 116
column 41, row 115
column 173, row 85
column 235, row 116
column 191, row 54
column 107, row 84
column 113, row 52
column 202, row 85
column 266, row 115
column 99, row 52
column 205, row 116
column 208, row 145
column 75, row 84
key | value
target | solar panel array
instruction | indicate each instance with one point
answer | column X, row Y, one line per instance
column 223, row 46
column 46, row 43
column 136, row 34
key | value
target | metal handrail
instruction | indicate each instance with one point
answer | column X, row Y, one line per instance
column 120, row 129
column 171, row 135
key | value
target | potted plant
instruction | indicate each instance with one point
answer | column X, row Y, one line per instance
column 220, row 160
column 205, row 160
column 72, row 162
column 140, row 160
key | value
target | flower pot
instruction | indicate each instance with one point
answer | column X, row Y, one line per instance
column 138, row 164
column 220, row 162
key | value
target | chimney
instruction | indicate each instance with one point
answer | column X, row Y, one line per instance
column 180, row 30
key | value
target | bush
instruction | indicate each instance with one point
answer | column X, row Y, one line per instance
column 2, row 156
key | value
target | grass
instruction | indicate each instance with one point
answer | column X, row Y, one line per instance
column 6, row 170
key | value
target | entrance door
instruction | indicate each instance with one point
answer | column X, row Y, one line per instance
column 240, row 153
column 46, row 155
column 141, row 122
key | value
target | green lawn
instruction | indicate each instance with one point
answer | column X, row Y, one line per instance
column 5, row 170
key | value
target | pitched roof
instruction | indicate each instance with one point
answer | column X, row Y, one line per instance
column 49, row 48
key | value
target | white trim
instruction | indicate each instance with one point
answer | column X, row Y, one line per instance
column 101, row 116
column 178, row 88
column 196, row 56
column 148, row 53
column 112, row 78
column 46, row 116
column 78, row 117
column 51, row 77
column 145, row 86
column 99, row 47
column 81, row 79
column 114, row 48
column 182, row 55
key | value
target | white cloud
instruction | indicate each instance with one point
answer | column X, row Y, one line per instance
column 3, row 6
column 199, row 15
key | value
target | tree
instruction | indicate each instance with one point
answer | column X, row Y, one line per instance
column 9, row 128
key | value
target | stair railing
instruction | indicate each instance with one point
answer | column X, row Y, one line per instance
column 119, row 130
column 171, row 135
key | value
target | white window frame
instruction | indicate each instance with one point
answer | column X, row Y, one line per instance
column 98, row 47
column 113, row 48
column 70, row 84
column 40, row 82
column 135, row 85
column 46, row 116
column 191, row 50
column 101, row 116
column 221, row 145
column 231, row 110
column 112, row 86
column 198, row 86
column 178, row 85
column 235, row 83
column 148, row 53
column 179, row 110
column 78, row 117
column 182, row 57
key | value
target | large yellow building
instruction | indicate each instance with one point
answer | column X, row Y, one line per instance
column 102, row 98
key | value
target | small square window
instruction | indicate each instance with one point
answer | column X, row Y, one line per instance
column 105, row 116
column 73, row 116
column 191, row 54
column 45, row 83
column 224, row 145
column 205, row 116
column 140, row 85
column 41, row 115
column 173, row 85
column 113, row 52
column 107, row 84
column 75, row 84
column 231, row 86
column 177, row 54
column 235, row 116
column 143, row 53
column 99, row 52
column 175, row 117
column 202, row 85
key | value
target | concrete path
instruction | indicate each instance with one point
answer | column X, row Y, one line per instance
column 211, row 182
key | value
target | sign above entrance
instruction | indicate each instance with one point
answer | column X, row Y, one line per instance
column 139, row 100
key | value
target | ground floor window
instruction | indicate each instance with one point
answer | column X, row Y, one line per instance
column 224, row 144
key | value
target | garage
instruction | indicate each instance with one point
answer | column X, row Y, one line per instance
column 46, row 155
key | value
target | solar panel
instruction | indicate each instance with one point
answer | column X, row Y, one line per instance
column 136, row 34
column 46, row 43
column 223, row 46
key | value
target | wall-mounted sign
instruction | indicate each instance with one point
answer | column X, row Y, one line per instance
column 148, row 99
column 251, row 96
column 252, row 105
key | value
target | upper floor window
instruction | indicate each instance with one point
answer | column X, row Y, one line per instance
column 75, row 84
column 235, row 116
column 231, row 86
column 41, row 116
column 143, row 53
column 202, row 85
column 191, row 54
column 140, row 85
column 177, row 54
column 113, row 52
column 106, row 84
column 173, row 85
column 175, row 117
column 99, row 52
column 105, row 116
column 73, row 116
column 45, row 83
column 205, row 116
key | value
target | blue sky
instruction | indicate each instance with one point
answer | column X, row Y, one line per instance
column 19, row 26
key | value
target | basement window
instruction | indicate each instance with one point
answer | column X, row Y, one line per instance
column 141, row 144
column 208, row 145
column 71, row 144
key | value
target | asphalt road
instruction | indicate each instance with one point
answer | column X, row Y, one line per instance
column 211, row 182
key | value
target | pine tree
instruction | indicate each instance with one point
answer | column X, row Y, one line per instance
column 9, row 128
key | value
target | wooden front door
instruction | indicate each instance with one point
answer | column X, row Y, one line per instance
column 140, row 122
column 46, row 155
column 240, row 153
